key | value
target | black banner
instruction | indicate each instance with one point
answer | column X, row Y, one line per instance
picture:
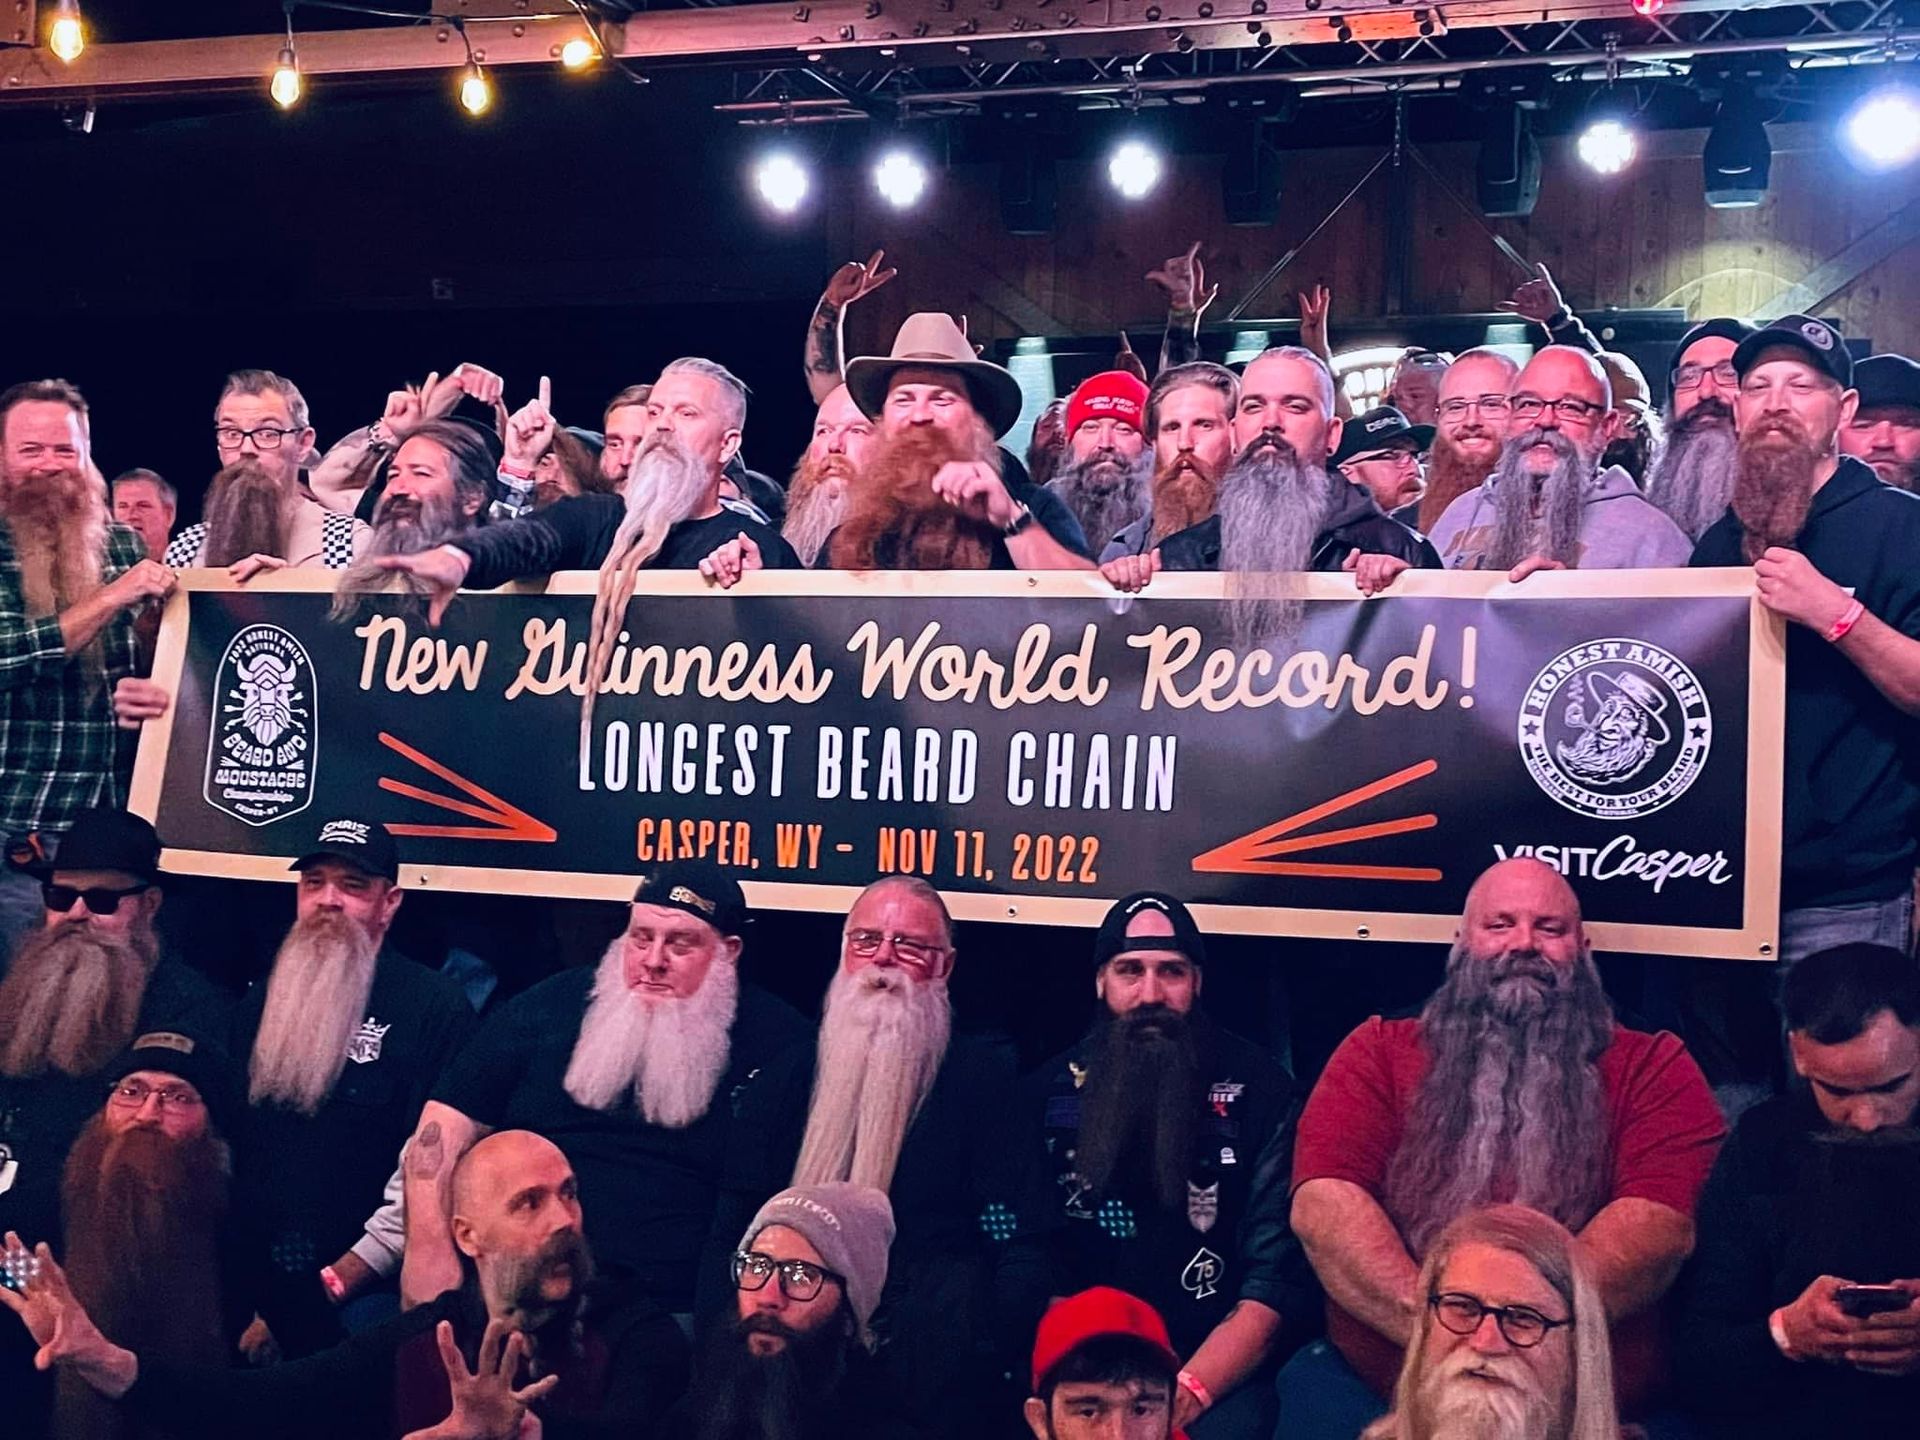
column 1033, row 745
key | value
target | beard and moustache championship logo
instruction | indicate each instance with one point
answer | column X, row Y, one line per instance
column 1615, row 728
column 260, row 755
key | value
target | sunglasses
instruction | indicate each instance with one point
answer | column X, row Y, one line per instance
column 100, row 899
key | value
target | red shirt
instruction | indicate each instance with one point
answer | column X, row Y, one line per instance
column 1663, row 1128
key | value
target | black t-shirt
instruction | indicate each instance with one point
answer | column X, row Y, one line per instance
column 577, row 533
column 647, row 1193
column 1353, row 522
column 1852, row 772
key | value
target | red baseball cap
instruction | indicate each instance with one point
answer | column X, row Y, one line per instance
column 1110, row 394
column 1097, row 1314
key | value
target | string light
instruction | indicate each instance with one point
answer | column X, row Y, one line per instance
column 286, row 85
column 66, row 36
column 578, row 53
column 476, row 90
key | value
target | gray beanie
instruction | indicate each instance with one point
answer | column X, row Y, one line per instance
column 851, row 1226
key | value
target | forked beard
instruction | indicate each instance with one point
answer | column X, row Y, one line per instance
column 1537, row 515
column 1451, row 473
column 668, row 484
column 403, row 526
column 1694, row 477
column 816, row 501
column 668, row 1054
column 1105, row 492
column 781, row 1396
column 519, row 1283
column 1773, row 486
column 59, row 525
column 246, row 513
column 1450, row 1406
column 71, row 1000
column 893, row 518
column 142, row 1216
column 1185, row 491
column 1137, row 1104
column 1272, row 505
column 316, row 999
column 1512, row 1107
column 882, row 1039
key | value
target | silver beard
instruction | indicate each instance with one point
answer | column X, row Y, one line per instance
column 1105, row 492
column 1694, row 478
column 1271, row 508
column 316, row 998
column 1562, row 493
column 398, row 530
column 1452, row 1407
column 883, row 1036
column 669, row 1055
column 664, row 487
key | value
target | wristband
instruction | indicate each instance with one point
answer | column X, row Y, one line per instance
column 1191, row 1383
column 515, row 471
column 1777, row 1328
column 1849, row 618
column 378, row 437
column 331, row 1282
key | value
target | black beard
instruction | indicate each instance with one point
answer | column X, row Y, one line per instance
column 1137, row 1107
column 783, row 1396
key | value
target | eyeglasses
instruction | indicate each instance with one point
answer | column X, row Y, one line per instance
column 917, row 953
column 264, row 437
column 132, row 1094
column 1579, row 412
column 1485, row 404
column 1688, row 377
column 1523, row 1327
column 798, row 1279
column 101, row 899
column 1390, row 457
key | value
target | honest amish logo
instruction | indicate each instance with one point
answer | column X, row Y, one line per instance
column 1615, row 729
column 260, row 753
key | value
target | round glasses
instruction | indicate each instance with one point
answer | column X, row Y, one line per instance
column 1522, row 1326
column 132, row 1094
column 265, row 437
column 799, row 1280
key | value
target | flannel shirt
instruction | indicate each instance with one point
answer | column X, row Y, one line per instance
column 60, row 750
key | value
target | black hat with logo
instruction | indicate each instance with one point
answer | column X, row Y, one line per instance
column 1825, row 346
column 1722, row 327
column 201, row 1063
column 363, row 844
column 703, row 890
column 1112, row 938
column 1887, row 380
column 1378, row 428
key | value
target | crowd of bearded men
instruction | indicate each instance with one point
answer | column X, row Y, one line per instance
column 364, row 1195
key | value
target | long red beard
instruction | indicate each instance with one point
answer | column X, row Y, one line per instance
column 1449, row 476
column 895, row 521
column 1185, row 492
column 1773, row 485
column 59, row 525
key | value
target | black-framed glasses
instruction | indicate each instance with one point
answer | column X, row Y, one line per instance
column 799, row 1280
column 132, row 1094
column 1457, row 408
column 1688, row 377
column 1523, row 1326
column 100, row 899
column 920, row 954
column 264, row 437
column 1581, row 412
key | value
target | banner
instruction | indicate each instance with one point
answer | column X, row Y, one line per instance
column 1033, row 745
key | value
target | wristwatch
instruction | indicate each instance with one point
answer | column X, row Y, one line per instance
column 1022, row 518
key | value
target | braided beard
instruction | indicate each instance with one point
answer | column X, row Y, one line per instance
column 1694, row 478
column 1560, row 495
column 1271, row 508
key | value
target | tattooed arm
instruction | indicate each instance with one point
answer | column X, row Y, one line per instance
column 431, row 1266
column 823, row 352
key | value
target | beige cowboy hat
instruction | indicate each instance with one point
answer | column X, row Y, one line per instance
column 932, row 341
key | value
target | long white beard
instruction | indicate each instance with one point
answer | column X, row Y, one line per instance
column 882, row 1039
column 1454, row 1408
column 316, row 999
column 668, row 1054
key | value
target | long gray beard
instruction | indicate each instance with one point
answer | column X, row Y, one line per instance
column 316, row 999
column 395, row 533
column 1693, row 479
column 1512, row 1106
column 669, row 1055
column 1451, row 1408
column 1555, row 531
column 816, row 503
column 1271, row 508
column 1105, row 492
column 72, row 998
column 882, row 1039
column 664, row 487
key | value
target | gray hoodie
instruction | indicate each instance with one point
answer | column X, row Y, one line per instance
column 1619, row 529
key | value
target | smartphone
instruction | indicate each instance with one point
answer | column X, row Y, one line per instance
column 1860, row 1301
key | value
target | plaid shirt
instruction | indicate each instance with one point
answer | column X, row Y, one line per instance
column 60, row 751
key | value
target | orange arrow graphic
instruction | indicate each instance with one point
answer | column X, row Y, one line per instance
column 1254, row 852
column 502, row 821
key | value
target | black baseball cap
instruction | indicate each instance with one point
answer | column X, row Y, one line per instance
column 703, row 890
column 363, row 844
column 104, row 838
column 198, row 1061
column 1887, row 380
column 1112, row 938
column 1825, row 346
column 1724, row 327
column 1378, row 428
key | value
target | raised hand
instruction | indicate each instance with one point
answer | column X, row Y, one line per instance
column 530, row 429
column 486, row 1405
column 475, row 380
column 1184, row 278
column 406, row 410
column 1125, row 359
column 1314, row 305
column 59, row 1323
column 1538, row 299
column 854, row 281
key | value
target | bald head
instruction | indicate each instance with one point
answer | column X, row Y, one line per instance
column 500, row 1164
column 1524, row 904
column 1561, row 370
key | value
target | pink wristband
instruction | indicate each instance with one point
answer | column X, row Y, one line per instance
column 1849, row 618
column 515, row 471
column 331, row 1282
column 1191, row 1383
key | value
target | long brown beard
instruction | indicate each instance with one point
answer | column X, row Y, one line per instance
column 1773, row 487
column 59, row 525
column 246, row 514
column 816, row 501
column 142, row 1217
column 895, row 521
column 1185, row 491
column 72, row 998
column 316, row 998
column 1450, row 474
column 403, row 526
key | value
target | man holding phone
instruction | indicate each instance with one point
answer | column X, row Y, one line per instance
column 1801, row 1310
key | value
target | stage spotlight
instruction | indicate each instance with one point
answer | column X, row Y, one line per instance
column 285, row 86
column 901, row 178
column 66, row 36
column 1134, row 168
column 476, row 90
column 1608, row 145
column 1882, row 132
column 781, row 180
column 578, row 53
column 1738, row 157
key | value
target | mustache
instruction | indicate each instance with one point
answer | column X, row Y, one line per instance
column 1555, row 440
column 1778, row 424
column 1272, row 438
column 1707, row 412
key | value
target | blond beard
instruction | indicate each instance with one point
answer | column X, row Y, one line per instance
column 59, row 525
column 72, row 998
column 668, row 1054
column 316, row 998
column 882, row 1039
column 816, row 503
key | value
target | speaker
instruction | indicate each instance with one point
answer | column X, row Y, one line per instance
column 1027, row 191
column 1250, row 176
column 1507, row 174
